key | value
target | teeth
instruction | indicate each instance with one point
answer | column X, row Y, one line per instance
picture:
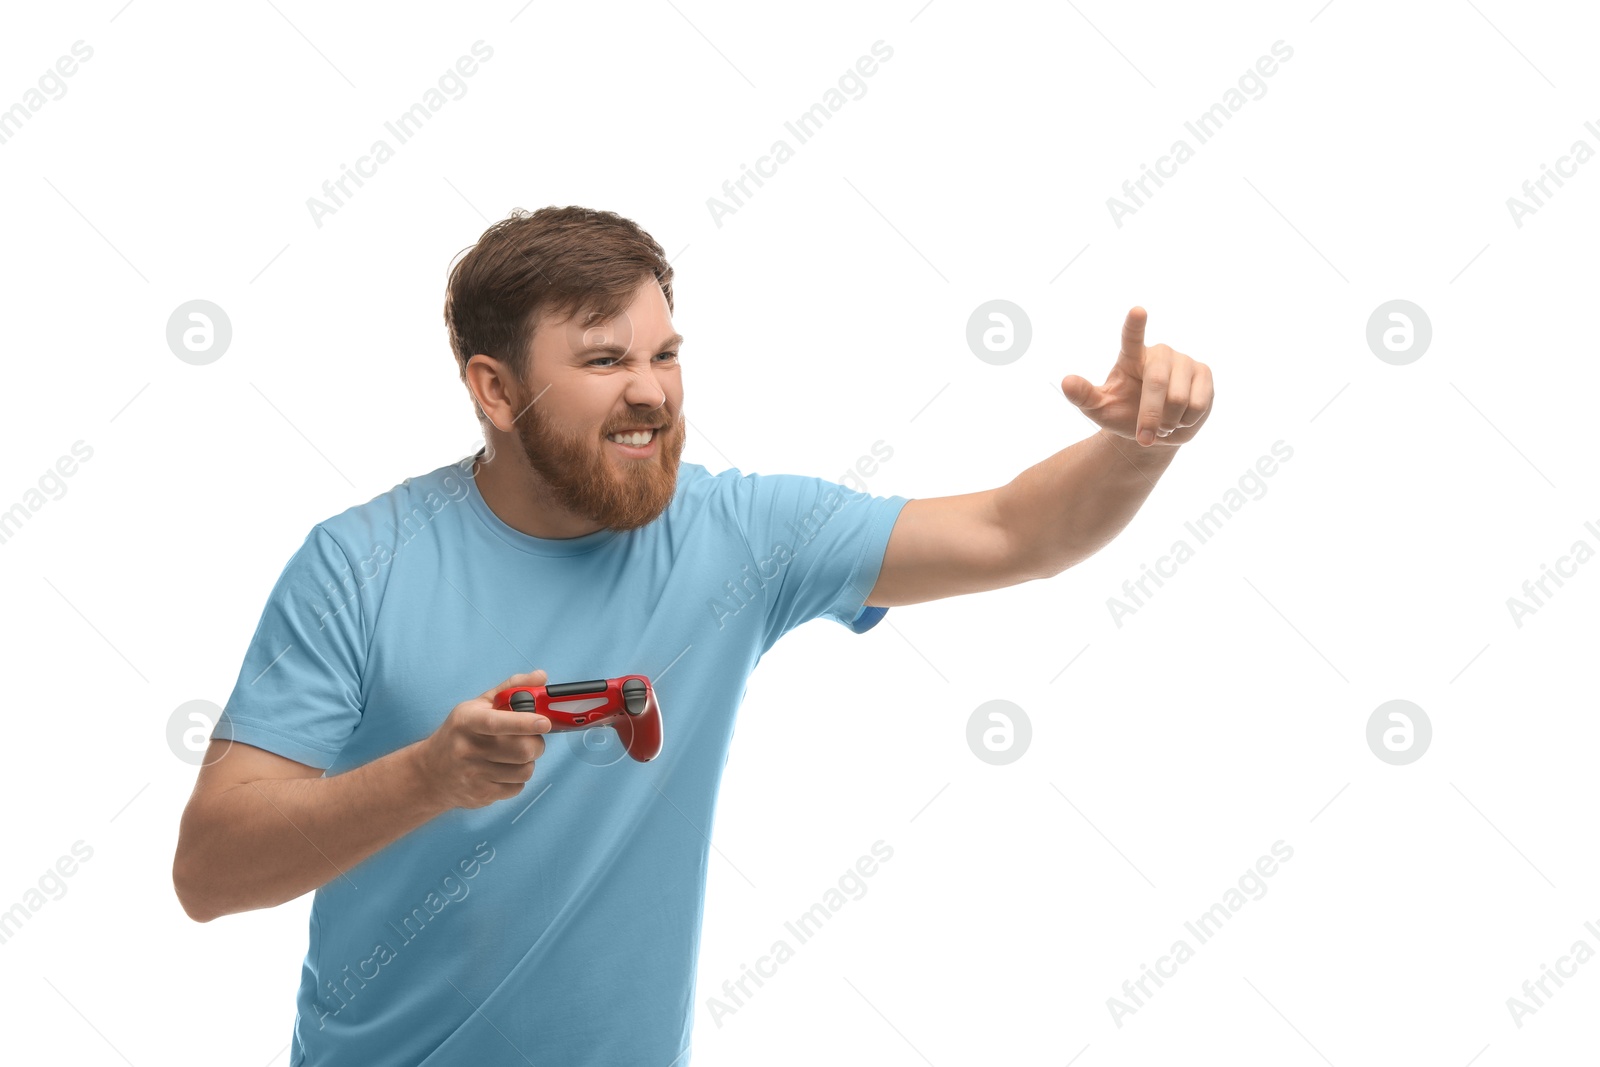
column 642, row 438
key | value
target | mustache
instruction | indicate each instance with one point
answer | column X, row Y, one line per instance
column 644, row 426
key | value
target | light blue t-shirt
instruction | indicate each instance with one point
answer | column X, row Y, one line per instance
column 561, row 926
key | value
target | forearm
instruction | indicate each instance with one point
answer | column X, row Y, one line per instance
column 1065, row 509
column 264, row 842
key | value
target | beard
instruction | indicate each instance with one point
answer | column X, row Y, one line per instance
column 592, row 480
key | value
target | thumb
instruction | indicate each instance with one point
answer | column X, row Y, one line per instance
column 530, row 678
column 1078, row 390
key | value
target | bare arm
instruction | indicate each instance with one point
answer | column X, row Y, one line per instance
column 1062, row 511
column 260, row 829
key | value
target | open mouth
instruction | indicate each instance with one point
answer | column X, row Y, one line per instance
column 636, row 444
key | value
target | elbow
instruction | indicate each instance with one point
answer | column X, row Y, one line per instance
column 1062, row 563
column 189, row 880
column 1043, row 571
column 190, row 897
column 194, row 912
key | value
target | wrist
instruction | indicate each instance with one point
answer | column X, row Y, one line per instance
column 1145, row 457
column 417, row 782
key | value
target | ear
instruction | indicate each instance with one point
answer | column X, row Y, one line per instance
column 493, row 390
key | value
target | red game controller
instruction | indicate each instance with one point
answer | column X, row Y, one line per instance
column 627, row 704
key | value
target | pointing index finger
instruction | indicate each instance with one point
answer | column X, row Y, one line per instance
column 1133, row 337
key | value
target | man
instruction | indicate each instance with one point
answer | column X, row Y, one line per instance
column 460, row 916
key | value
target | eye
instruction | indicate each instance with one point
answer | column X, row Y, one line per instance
column 609, row 359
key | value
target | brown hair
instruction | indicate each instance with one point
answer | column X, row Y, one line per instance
column 557, row 260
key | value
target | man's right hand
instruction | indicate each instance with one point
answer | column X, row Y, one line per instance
column 481, row 753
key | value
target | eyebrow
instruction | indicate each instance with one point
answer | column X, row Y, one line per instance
column 619, row 350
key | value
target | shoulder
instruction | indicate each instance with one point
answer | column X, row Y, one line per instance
column 375, row 530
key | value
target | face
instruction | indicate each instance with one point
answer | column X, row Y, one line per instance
column 590, row 379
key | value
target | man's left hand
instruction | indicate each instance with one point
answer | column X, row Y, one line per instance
column 1154, row 394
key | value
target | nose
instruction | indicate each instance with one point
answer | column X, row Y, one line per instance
column 643, row 391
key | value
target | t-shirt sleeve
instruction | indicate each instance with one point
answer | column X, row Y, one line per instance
column 818, row 548
column 299, row 691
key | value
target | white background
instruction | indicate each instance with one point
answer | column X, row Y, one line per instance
column 826, row 313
